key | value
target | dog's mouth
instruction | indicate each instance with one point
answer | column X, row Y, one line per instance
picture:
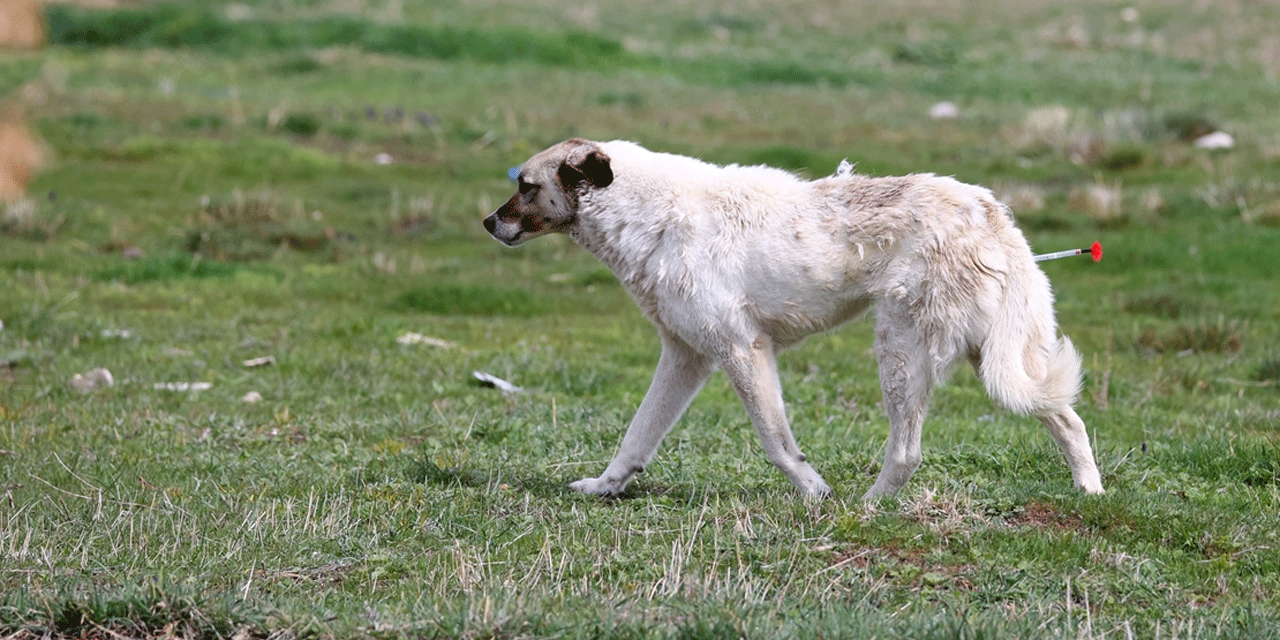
column 513, row 241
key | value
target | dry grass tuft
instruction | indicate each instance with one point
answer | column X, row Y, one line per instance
column 1222, row 336
column 1020, row 196
column 1112, row 140
column 1267, row 215
column 255, row 225
column 1101, row 201
column 1058, row 131
column 1043, row 129
column 1152, row 201
column 946, row 514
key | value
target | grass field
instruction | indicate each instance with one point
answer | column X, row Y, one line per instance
column 304, row 180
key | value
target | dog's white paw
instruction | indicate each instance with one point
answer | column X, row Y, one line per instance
column 598, row 486
column 876, row 492
column 817, row 490
column 810, row 484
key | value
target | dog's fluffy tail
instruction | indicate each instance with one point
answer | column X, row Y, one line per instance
column 1024, row 365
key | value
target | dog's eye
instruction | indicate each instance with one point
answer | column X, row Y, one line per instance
column 527, row 187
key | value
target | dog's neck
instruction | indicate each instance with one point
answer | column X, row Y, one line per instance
column 624, row 242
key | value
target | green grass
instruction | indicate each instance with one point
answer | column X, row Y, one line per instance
column 215, row 195
column 171, row 25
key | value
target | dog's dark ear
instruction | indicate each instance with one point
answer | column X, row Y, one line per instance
column 592, row 168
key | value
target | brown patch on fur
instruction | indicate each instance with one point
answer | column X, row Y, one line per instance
column 996, row 216
column 21, row 25
column 876, row 193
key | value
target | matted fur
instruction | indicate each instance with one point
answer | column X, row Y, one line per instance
column 733, row 263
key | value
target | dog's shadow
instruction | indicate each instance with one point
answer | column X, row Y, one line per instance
column 640, row 492
column 552, row 487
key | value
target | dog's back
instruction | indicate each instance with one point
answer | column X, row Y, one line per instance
column 803, row 256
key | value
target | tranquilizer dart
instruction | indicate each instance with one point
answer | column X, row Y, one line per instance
column 1095, row 251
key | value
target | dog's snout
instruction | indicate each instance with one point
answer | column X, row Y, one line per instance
column 491, row 223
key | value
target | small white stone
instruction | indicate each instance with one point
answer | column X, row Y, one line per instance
column 490, row 380
column 411, row 337
column 182, row 386
column 98, row 378
column 382, row 158
column 251, row 397
column 1215, row 140
column 944, row 111
column 239, row 12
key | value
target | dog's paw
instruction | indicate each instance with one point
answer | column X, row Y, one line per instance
column 598, row 486
column 816, row 491
column 810, row 484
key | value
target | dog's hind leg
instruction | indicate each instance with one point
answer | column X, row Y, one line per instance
column 1025, row 369
column 906, row 380
column 681, row 373
column 754, row 373
column 1069, row 430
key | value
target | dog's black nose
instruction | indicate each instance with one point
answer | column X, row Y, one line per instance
column 490, row 224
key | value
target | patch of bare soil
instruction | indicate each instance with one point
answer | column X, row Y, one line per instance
column 1046, row 517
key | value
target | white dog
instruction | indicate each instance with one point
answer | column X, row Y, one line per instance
column 734, row 263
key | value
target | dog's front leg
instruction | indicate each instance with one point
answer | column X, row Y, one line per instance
column 681, row 373
column 753, row 371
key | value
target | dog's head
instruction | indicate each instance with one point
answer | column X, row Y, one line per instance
column 550, row 185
